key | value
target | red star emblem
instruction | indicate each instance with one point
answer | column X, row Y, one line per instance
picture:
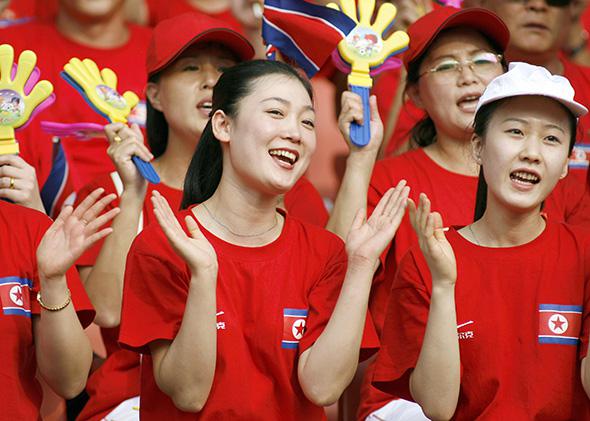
column 300, row 328
column 558, row 323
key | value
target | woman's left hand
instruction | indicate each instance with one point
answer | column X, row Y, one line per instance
column 18, row 182
column 72, row 233
column 366, row 240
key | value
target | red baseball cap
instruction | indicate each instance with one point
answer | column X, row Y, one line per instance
column 424, row 31
column 172, row 36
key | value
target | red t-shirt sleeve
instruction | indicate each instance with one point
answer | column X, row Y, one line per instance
column 304, row 202
column 322, row 298
column 403, row 330
column 584, row 335
column 154, row 293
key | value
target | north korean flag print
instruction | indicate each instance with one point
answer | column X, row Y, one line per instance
column 559, row 324
column 15, row 296
column 294, row 321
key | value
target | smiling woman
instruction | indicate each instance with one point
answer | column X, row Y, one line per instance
column 475, row 323
column 241, row 310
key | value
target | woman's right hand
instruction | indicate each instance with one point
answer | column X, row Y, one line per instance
column 352, row 111
column 125, row 142
column 196, row 250
column 433, row 243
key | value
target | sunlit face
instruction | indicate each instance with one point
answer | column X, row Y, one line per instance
column 91, row 9
column 535, row 27
column 183, row 92
column 450, row 99
column 524, row 151
column 271, row 140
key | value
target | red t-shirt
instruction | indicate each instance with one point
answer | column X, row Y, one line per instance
column 453, row 196
column 21, row 230
column 263, row 295
column 523, row 325
column 118, row 378
column 87, row 159
column 164, row 9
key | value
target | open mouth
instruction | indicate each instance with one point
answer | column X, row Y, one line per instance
column 205, row 107
column 468, row 102
column 284, row 156
column 525, row 177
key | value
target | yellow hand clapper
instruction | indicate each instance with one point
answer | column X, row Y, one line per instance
column 365, row 49
column 21, row 97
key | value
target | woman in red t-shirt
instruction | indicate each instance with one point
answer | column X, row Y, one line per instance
column 186, row 55
column 492, row 320
column 44, row 308
column 253, row 314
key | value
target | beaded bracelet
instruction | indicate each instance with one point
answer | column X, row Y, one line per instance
column 57, row 308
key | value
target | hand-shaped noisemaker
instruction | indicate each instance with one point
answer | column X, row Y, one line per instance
column 21, row 97
column 365, row 50
column 99, row 89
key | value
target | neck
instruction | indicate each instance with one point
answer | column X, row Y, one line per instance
column 173, row 163
column 499, row 227
column 108, row 33
column 453, row 155
column 238, row 213
column 548, row 60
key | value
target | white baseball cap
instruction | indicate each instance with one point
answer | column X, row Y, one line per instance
column 527, row 79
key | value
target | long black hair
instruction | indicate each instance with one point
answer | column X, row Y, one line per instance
column 480, row 126
column 424, row 131
column 204, row 171
column 156, row 126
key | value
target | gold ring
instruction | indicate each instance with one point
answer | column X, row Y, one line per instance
column 117, row 139
column 11, row 185
column 84, row 221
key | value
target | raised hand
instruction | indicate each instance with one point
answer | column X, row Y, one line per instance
column 367, row 239
column 352, row 111
column 126, row 142
column 100, row 89
column 72, row 233
column 18, row 182
column 433, row 243
column 196, row 250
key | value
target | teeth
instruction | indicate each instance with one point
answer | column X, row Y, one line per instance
column 289, row 156
column 525, row 176
column 207, row 105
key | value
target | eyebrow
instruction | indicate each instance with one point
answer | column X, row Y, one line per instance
column 285, row 102
column 547, row 126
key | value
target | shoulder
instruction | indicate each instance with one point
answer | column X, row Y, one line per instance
column 314, row 239
column 139, row 33
column 21, row 223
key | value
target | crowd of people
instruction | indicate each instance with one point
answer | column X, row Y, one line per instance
column 448, row 276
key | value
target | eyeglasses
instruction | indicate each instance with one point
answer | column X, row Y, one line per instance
column 481, row 64
column 553, row 3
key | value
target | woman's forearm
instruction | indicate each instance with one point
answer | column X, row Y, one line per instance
column 328, row 366
column 104, row 282
column 184, row 368
column 63, row 351
column 435, row 381
column 352, row 194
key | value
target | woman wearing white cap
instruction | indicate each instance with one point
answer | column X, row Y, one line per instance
column 491, row 320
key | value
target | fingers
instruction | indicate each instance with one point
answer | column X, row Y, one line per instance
column 96, row 209
column 423, row 211
column 13, row 161
column 379, row 209
column 413, row 214
column 97, row 236
column 88, row 202
column 439, row 231
column 193, row 227
column 165, row 216
column 397, row 199
column 126, row 142
column 374, row 109
column 351, row 110
column 358, row 220
column 96, row 223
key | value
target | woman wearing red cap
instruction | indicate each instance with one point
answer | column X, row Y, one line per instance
column 241, row 311
column 491, row 321
column 453, row 54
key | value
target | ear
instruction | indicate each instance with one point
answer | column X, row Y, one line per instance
column 565, row 169
column 152, row 92
column 221, row 126
column 476, row 148
column 414, row 94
